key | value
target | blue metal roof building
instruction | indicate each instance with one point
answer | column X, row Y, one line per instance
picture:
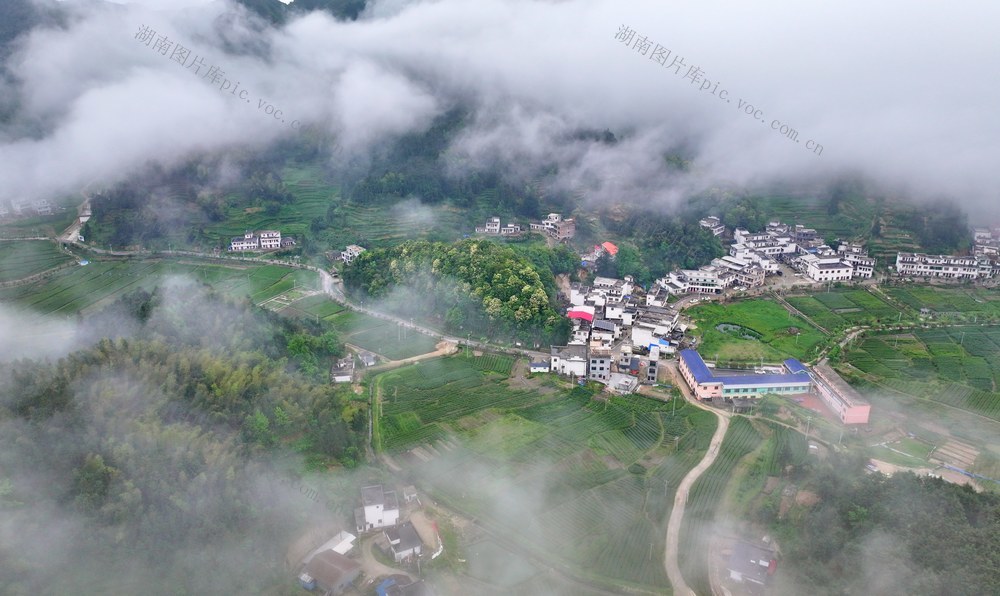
column 706, row 384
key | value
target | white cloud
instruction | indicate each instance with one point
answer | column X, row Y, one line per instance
column 899, row 92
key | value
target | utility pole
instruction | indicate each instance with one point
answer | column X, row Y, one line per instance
column 808, row 422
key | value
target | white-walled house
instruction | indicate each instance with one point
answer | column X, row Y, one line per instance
column 379, row 509
column 404, row 542
column 570, row 360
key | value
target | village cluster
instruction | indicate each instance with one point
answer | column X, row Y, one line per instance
column 23, row 208
column 754, row 257
column 331, row 567
column 984, row 263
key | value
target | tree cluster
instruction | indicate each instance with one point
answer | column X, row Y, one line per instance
column 662, row 242
column 902, row 535
column 156, row 436
column 470, row 285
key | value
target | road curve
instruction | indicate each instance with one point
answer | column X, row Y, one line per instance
column 680, row 500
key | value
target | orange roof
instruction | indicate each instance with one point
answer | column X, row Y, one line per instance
column 611, row 248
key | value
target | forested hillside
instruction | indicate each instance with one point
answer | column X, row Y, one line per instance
column 145, row 457
column 872, row 534
column 472, row 286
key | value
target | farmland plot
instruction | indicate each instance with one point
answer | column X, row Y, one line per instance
column 956, row 366
column 704, row 500
column 589, row 482
column 26, row 258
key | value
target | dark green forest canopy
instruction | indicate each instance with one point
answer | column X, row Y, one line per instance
column 893, row 535
column 147, row 452
column 469, row 285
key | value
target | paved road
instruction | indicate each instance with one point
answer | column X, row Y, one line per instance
column 680, row 498
column 334, row 288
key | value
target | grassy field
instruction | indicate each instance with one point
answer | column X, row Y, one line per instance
column 704, row 500
column 23, row 259
column 839, row 308
column 587, row 481
column 84, row 288
column 752, row 330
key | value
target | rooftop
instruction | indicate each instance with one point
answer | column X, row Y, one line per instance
column 570, row 351
column 753, row 562
column 374, row 495
column 330, row 569
column 403, row 537
column 702, row 374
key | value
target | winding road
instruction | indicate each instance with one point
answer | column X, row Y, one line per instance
column 680, row 497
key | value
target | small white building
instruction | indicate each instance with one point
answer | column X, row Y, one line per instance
column 254, row 241
column 713, row 224
column 269, row 239
column 539, row 366
column 570, row 360
column 379, row 509
column 823, row 269
column 350, row 253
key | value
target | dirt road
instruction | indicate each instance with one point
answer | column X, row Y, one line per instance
column 371, row 566
column 680, row 498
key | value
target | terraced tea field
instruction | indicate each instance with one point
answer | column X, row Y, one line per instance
column 588, row 481
column 956, row 366
column 704, row 500
column 22, row 259
column 83, row 288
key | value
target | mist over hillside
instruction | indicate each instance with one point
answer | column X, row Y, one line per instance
column 88, row 98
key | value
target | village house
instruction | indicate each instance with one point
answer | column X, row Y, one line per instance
column 404, row 542
column 256, row 241
column 20, row 206
column 329, row 572
column 379, row 509
column 350, row 253
column 539, row 366
column 569, row 360
column 599, row 363
column 751, row 564
column 555, row 226
column 494, row 228
column 713, row 224
column 944, row 266
column 342, row 370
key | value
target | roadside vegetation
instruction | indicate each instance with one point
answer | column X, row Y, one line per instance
column 478, row 285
